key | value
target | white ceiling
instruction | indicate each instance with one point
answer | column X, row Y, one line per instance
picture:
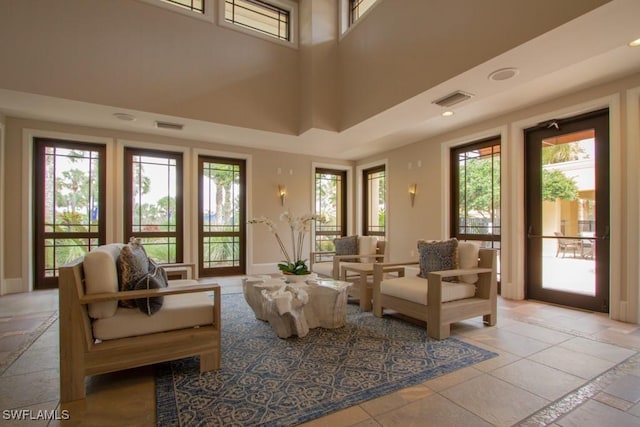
column 587, row 51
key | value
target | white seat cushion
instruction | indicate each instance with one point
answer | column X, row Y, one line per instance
column 178, row 312
column 414, row 289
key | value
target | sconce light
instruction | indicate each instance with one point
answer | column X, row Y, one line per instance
column 412, row 192
column 282, row 192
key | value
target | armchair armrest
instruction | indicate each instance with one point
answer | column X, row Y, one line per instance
column 125, row 295
column 389, row 267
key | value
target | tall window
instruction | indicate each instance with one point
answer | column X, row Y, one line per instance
column 374, row 202
column 69, row 204
column 357, row 8
column 153, row 202
column 272, row 18
column 331, row 201
column 222, row 222
column 475, row 200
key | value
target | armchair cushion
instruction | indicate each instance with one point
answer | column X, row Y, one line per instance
column 437, row 256
column 346, row 246
column 468, row 258
column 101, row 276
column 178, row 312
column 414, row 289
column 367, row 245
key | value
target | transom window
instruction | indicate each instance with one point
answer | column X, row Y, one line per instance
column 193, row 5
column 272, row 19
column 357, row 8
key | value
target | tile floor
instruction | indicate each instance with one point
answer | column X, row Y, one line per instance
column 556, row 366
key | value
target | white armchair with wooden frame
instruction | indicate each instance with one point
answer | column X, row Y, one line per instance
column 98, row 336
column 471, row 292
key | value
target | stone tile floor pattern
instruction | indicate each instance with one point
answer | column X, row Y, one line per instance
column 556, row 366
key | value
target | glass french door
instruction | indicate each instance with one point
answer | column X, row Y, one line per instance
column 69, row 204
column 567, row 197
column 221, row 219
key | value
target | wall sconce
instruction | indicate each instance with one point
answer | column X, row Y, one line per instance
column 282, row 193
column 412, row 192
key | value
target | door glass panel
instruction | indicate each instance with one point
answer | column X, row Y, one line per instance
column 568, row 213
column 331, row 203
column 68, row 205
column 222, row 226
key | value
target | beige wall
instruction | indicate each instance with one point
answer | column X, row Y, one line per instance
column 150, row 59
column 381, row 66
column 429, row 218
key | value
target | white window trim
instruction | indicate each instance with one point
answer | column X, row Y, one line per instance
column 283, row 4
column 206, row 16
column 343, row 17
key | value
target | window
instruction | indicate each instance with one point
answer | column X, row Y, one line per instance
column 374, row 202
column 351, row 11
column 193, row 5
column 475, row 200
column 153, row 202
column 357, row 8
column 273, row 20
column 331, row 201
column 201, row 9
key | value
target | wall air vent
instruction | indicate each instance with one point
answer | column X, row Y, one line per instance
column 167, row 125
column 453, row 98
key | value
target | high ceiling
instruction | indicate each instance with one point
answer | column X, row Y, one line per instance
column 584, row 52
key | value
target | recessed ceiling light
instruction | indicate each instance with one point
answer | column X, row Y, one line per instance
column 448, row 114
column 503, row 74
column 635, row 43
column 125, row 116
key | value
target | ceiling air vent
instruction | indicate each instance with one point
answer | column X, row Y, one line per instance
column 167, row 125
column 453, row 99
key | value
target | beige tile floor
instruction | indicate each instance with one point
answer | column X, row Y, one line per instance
column 556, row 366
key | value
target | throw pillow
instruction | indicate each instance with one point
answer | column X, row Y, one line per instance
column 367, row 245
column 347, row 246
column 438, row 256
column 133, row 264
column 149, row 305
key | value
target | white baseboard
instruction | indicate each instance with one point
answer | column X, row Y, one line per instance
column 12, row 286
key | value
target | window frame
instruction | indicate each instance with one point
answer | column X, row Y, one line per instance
column 455, row 192
column 365, row 201
column 287, row 5
column 207, row 15
column 345, row 15
column 129, row 153
column 343, row 214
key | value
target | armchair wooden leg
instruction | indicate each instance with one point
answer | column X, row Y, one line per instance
column 437, row 331
column 489, row 319
column 209, row 362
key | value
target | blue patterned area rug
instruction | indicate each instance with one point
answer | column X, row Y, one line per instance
column 265, row 380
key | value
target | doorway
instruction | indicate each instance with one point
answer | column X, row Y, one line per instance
column 567, row 211
column 221, row 219
column 69, row 204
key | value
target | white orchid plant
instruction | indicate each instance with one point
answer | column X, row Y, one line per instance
column 299, row 227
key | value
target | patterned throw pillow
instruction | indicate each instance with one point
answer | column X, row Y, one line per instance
column 437, row 256
column 347, row 246
column 150, row 305
column 133, row 264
